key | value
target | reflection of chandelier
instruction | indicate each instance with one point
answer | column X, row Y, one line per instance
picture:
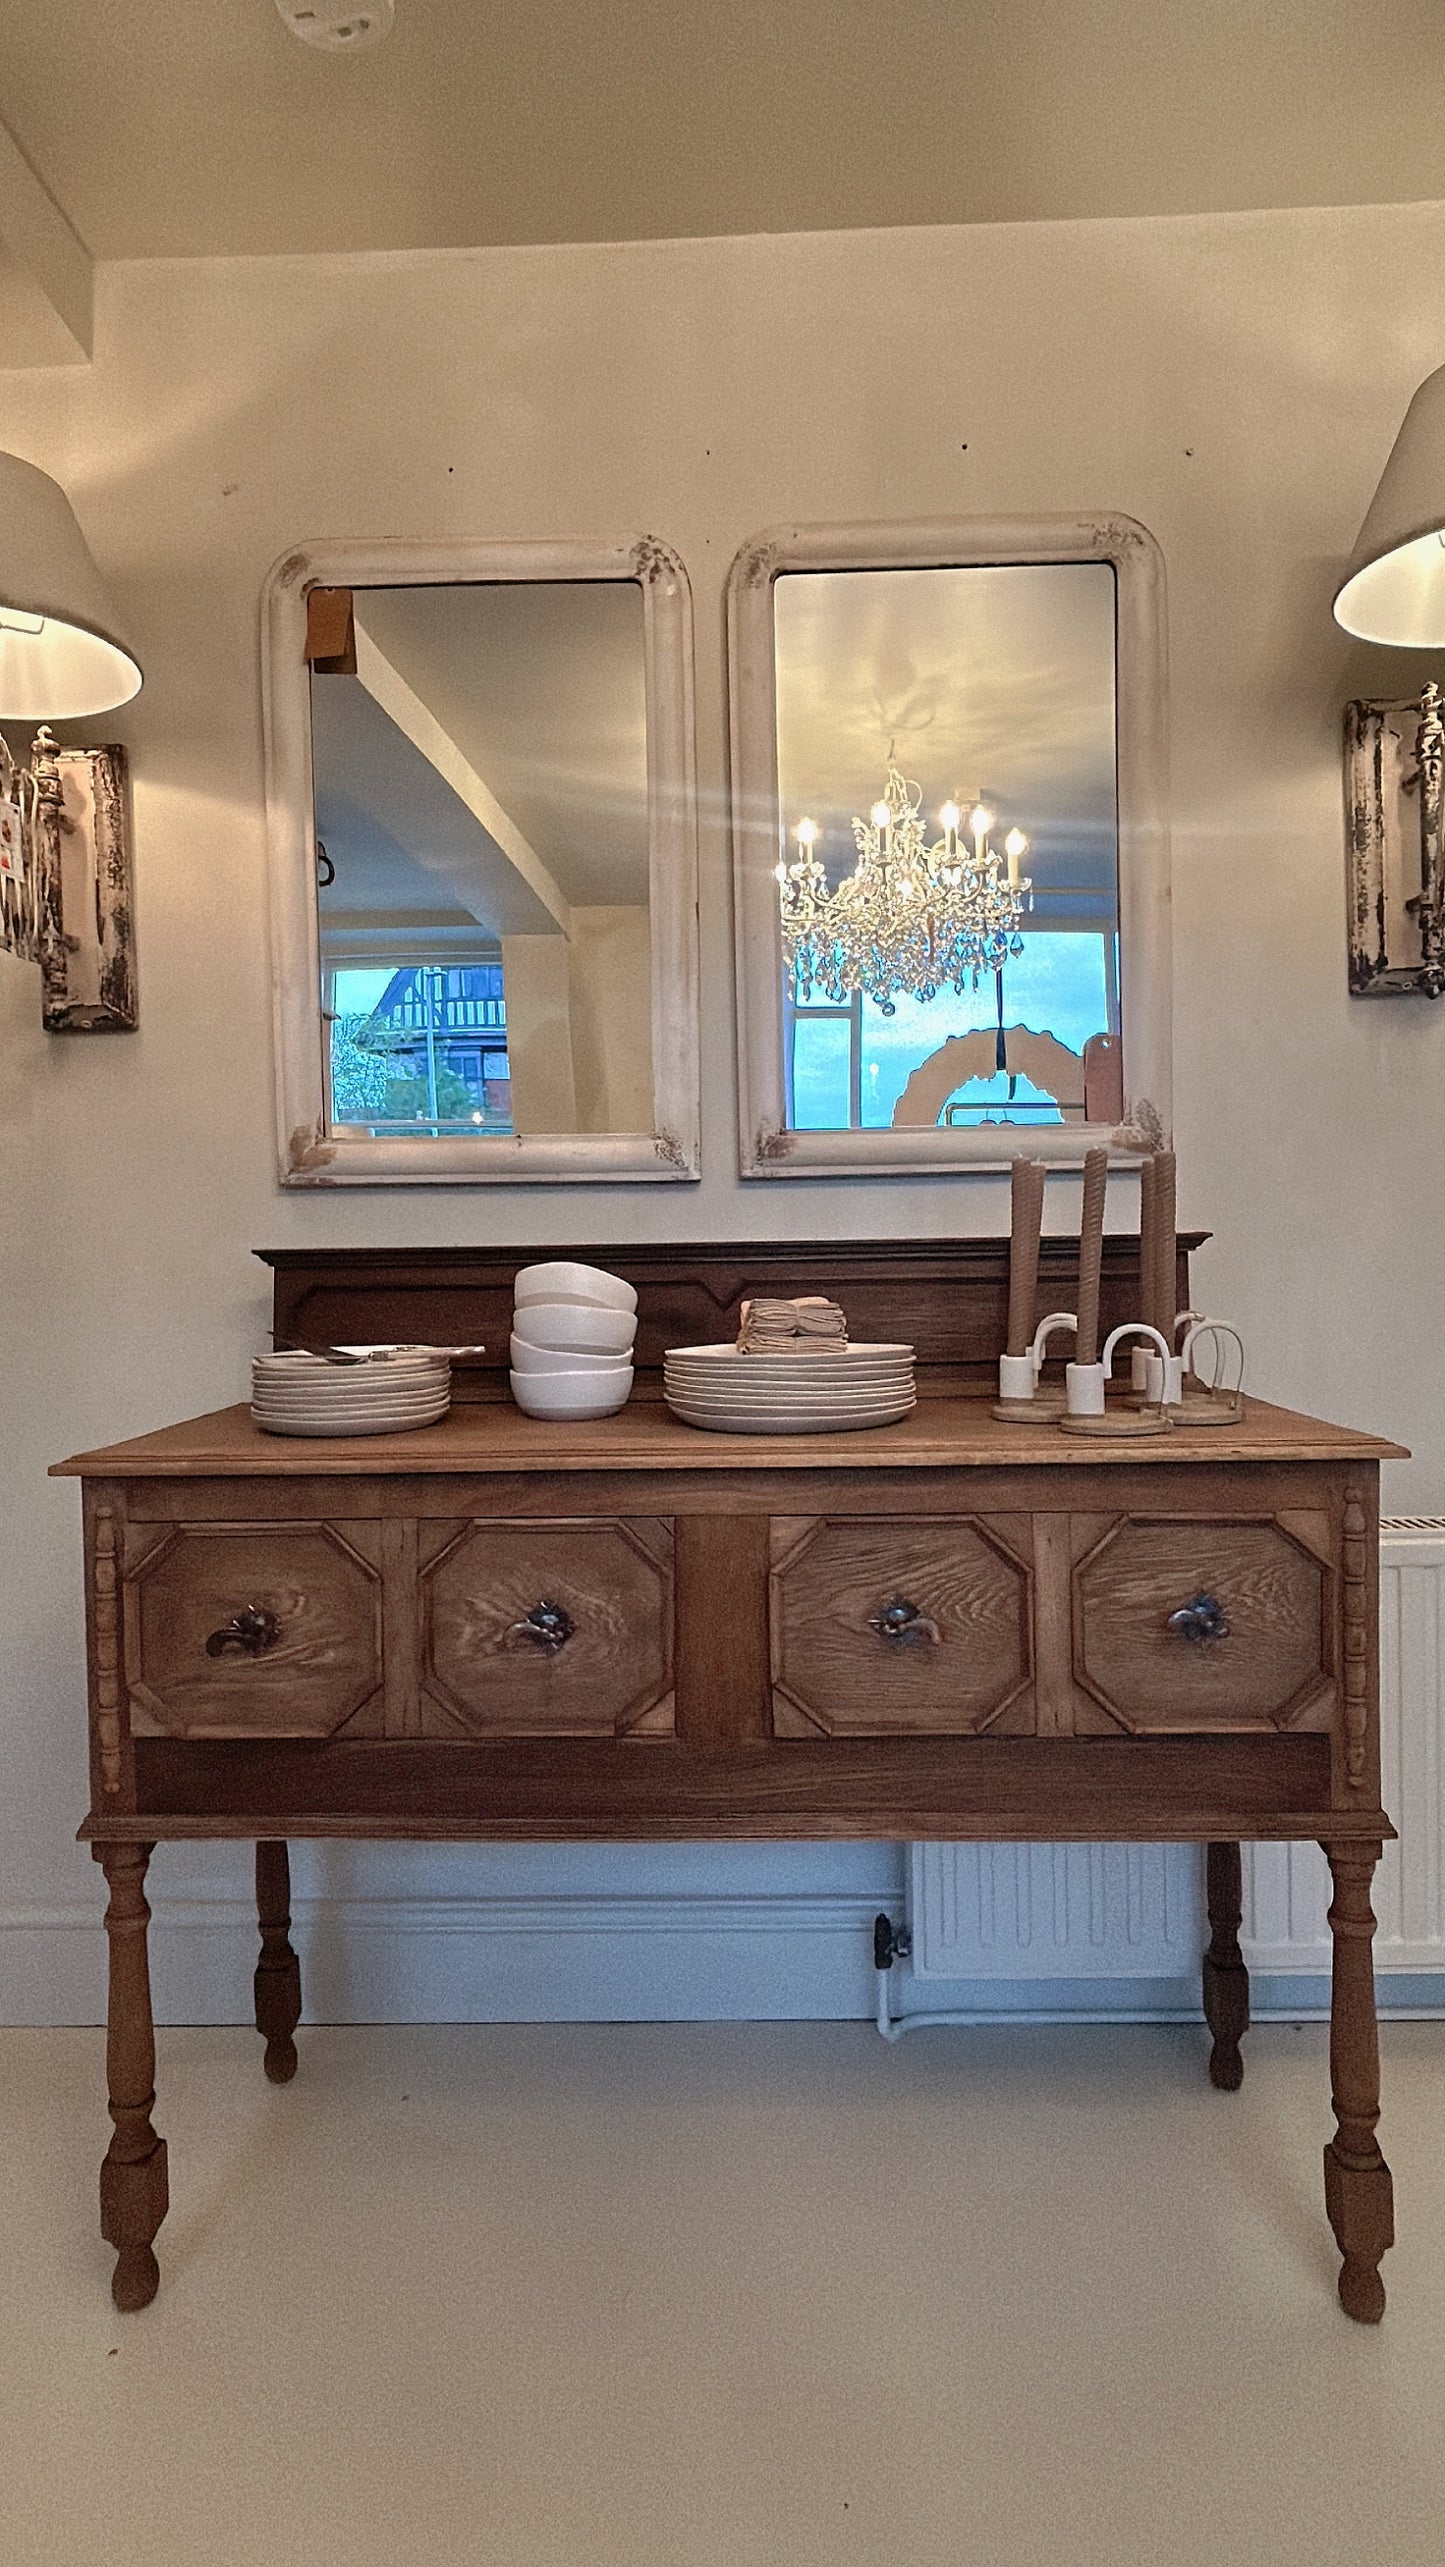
column 909, row 917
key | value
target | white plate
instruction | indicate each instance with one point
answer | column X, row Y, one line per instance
column 794, row 1400
column 731, row 1355
column 369, row 1424
column 422, row 1395
column 340, row 1430
column 789, row 1384
column 349, row 1407
column 724, row 1423
column 790, row 1421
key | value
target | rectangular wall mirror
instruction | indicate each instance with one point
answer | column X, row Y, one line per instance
column 950, row 844
column 482, row 821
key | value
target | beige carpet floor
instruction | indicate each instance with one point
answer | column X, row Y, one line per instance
column 721, row 2296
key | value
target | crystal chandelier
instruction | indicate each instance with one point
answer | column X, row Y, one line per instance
column 911, row 917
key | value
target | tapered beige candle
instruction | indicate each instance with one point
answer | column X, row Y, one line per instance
column 1091, row 1256
column 1148, row 1231
column 1164, row 1245
column 1026, row 1218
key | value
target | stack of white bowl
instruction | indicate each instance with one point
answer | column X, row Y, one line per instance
column 824, row 1391
column 572, row 1333
column 384, row 1390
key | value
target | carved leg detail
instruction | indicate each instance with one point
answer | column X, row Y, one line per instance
column 1226, row 1980
column 1359, row 2196
column 133, row 2188
column 278, row 1972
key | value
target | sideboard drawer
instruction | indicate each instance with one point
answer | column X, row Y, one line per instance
column 1196, row 1625
column 559, row 1629
column 255, row 1631
column 883, row 1625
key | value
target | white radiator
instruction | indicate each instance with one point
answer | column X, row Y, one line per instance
column 992, row 1912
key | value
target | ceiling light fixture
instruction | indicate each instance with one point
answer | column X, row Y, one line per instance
column 334, row 28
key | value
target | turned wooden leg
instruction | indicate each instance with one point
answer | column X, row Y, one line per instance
column 1359, row 2196
column 278, row 1972
column 1226, row 1980
column 133, row 2187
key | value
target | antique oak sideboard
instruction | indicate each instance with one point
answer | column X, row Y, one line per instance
column 498, row 1628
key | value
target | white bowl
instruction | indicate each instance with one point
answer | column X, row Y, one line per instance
column 577, row 1328
column 527, row 1358
column 572, row 1394
column 560, row 1280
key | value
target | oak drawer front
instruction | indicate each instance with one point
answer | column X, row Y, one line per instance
column 255, row 1631
column 1193, row 1625
column 881, row 1626
column 555, row 1629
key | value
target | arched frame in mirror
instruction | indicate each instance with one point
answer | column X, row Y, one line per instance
column 918, row 991
column 482, row 829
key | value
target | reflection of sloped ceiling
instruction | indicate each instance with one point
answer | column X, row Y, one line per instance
column 403, row 845
column 541, row 686
column 995, row 681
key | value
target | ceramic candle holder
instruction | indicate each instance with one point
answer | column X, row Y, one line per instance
column 1021, row 1400
column 1163, row 1379
column 1086, row 1384
column 1016, row 1376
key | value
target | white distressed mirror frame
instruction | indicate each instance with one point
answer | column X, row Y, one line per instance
column 766, row 1147
column 308, row 1154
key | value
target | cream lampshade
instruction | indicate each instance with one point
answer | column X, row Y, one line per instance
column 1394, row 588
column 61, row 655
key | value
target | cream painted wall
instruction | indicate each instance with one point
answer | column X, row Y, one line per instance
column 536, row 976
column 1235, row 382
column 611, row 983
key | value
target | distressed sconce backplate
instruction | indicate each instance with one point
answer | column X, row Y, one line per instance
column 1393, row 811
column 67, row 902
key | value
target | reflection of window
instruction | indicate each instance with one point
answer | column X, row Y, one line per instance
column 405, row 1055
column 848, row 1067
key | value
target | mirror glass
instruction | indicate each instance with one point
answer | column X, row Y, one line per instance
column 948, row 883
column 479, row 763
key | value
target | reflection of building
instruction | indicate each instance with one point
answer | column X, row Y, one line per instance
column 436, row 1025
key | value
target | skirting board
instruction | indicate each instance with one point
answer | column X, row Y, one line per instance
column 563, row 1960
column 477, row 1960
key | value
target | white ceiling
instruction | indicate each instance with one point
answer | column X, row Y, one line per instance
column 994, row 682
column 540, row 686
column 188, row 127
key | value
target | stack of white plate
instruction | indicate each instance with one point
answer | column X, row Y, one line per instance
column 572, row 1332
column 809, row 1394
column 389, row 1392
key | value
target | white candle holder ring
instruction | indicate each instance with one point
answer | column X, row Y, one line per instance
column 1086, row 1412
column 1022, row 1400
column 1219, row 1401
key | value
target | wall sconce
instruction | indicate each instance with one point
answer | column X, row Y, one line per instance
column 65, row 875
column 1393, row 591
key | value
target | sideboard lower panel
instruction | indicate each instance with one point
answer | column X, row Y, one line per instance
column 601, row 1788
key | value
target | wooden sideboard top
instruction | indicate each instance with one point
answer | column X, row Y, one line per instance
column 644, row 1436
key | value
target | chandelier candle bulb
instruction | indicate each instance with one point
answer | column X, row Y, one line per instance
column 1091, row 1254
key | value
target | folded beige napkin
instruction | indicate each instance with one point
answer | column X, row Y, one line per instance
column 808, row 1326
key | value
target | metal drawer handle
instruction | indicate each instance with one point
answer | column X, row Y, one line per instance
column 902, row 1623
column 1203, row 1618
column 548, row 1626
column 251, row 1631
